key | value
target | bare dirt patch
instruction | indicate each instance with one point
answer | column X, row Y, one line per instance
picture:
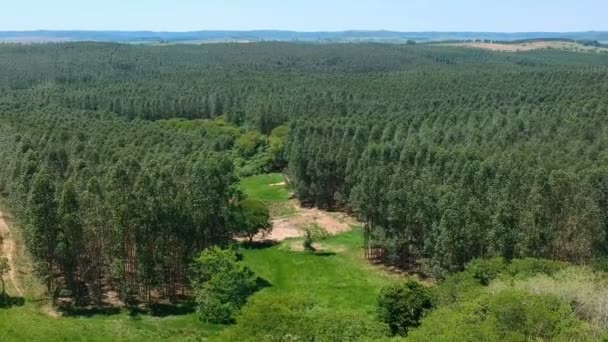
column 8, row 251
column 291, row 227
column 529, row 46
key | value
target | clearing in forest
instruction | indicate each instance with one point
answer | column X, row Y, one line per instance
column 289, row 216
column 529, row 46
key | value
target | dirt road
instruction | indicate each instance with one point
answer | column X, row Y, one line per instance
column 8, row 251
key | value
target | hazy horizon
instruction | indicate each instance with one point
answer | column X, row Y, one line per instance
column 287, row 30
column 307, row 16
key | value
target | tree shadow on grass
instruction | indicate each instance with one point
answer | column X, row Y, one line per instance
column 155, row 310
column 262, row 283
column 259, row 244
column 164, row 310
column 7, row 302
column 323, row 254
column 317, row 252
column 91, row 311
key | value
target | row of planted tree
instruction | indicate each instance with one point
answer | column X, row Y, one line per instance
column 431, row 202
column 447, row 154
column 111, row 205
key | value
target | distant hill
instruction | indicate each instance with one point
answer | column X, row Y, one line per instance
column 269, row 35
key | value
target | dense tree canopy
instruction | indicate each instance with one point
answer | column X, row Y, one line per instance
column 121, row 160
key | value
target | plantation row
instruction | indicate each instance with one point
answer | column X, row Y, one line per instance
column 447, row 154
column 109, row 204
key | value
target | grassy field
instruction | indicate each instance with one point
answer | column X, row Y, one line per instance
column 271, row 189
column 336, row 276
column 265, row 187
column 29, row 323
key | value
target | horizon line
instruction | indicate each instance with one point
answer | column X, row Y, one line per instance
column 286, row 30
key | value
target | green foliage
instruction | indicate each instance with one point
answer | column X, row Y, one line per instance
column 527, row 267
column 585, row 290
column 125, row 156
column 487, row 270
column 313, row 233
column 249, row 143
column 130, row 201
column 254, row 218
column 480, row 273
column 276, row 148
column 510, row 315
column 402, row 306
column 222, row 284
column 294, row 318
column 307, row 242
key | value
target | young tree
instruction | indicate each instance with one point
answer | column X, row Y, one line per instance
column 254, row 218
column 402, row 306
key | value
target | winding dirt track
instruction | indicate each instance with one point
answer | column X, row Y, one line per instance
column 8, row 251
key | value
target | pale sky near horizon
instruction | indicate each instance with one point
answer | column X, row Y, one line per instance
column 306, row 15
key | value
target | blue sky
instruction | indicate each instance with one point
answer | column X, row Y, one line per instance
column 307, row 15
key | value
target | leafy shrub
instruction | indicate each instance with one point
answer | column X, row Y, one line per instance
column 316, row 232
column 307, row 243
column 312, row 233
column 486, row 270
column 222, row 284
column 249, row 143
column 479, row 273
column 527, row 267
column 402, row 306
column 510, row 315
column 586, row 291
column 292, row 318
column 469, row 283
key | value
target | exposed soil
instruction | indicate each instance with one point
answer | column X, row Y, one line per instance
column 291, row 227
column 571, row 46
column 8, row 251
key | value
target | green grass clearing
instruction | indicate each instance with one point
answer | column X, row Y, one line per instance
column 268, row 188
column 336, row 276
column 265, row 188
column 28, row 323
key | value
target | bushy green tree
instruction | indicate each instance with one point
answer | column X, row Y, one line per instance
column 402, row 306
column 254, row 218
column 221, row 284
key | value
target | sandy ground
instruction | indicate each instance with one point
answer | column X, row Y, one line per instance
column 8, row 251
column 291, row 227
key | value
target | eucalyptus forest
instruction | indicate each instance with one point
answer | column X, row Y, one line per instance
column 481, row 177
